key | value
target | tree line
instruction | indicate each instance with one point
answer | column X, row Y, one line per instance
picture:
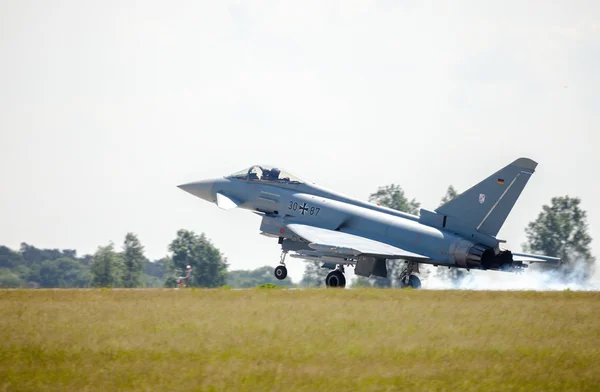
column 560, row 230
column 127, row 266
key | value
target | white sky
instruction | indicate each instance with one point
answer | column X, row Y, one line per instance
column 106, row 106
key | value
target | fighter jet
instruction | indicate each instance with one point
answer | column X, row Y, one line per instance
column 312, row 222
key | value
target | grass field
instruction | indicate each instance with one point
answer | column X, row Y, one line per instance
column 298, row 340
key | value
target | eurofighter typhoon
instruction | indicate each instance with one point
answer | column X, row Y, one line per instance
column 314, row 223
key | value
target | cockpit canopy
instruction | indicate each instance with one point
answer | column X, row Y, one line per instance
column 267, row 173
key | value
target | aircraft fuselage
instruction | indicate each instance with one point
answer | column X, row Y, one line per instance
column 317, row 206
column 315, row 223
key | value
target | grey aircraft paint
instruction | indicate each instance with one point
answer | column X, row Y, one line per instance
column 316, row 223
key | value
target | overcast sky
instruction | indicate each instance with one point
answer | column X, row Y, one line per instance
column 106, row 106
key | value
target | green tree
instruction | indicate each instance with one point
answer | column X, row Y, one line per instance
column 209, row 266
column 155, row 272
column 31, row 260
column 392, row 196
column 314, row 275
column 45, row 267
column 33, row 255
column 9, row 258
column 63, row 272
column 133, row 260
column 451, row 194
column 33, row 275
column 23, row 272
column 106, row 267
column 561, row 230
column 8, row 279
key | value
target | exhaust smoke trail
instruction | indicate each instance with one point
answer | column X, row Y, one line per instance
column 531, row 279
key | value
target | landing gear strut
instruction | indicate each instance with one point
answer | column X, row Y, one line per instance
column 336, row 277
column 406, row 277
column 281, row 270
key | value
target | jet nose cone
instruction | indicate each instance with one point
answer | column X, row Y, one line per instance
column 202, row 189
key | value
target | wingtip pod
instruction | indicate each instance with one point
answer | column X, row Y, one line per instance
column 531, row 258
column 525, row 163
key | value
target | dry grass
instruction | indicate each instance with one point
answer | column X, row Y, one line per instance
column 300, row 340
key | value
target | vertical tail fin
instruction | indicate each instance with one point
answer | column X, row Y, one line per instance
column 485, row 206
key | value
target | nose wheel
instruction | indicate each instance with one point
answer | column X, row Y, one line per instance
column 335, row 278
column 281, row 270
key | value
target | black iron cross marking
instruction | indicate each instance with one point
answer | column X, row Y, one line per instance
column 303, row 208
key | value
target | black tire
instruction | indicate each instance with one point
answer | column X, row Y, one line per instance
column 335, row 279
column 414, row 282
column 280, row 272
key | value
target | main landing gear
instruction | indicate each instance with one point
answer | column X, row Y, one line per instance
column 281, row 270
column 406, row 277
column 336, row 277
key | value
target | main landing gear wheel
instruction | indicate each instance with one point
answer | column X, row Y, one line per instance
column 414, row 282
column 280, row 272
column 335, row 279
column 406, row 277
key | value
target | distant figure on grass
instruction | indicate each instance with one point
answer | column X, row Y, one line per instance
column 183, row 281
